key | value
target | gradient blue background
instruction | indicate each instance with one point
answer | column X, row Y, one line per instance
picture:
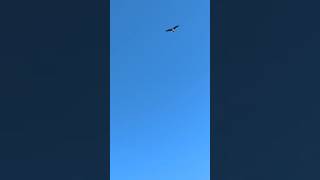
column 160, row 101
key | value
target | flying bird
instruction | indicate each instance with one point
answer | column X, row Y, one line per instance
column 172, row 29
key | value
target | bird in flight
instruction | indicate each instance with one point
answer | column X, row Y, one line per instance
column 172, row 29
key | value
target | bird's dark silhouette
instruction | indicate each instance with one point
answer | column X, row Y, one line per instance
column 172, row 29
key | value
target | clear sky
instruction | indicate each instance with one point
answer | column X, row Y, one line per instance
column 160, row 90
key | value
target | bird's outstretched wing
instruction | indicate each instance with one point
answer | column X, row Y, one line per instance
column 172, row 29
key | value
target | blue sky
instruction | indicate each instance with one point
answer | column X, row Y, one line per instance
column 160, row 90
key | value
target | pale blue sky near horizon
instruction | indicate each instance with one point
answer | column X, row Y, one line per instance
column 160, row 96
